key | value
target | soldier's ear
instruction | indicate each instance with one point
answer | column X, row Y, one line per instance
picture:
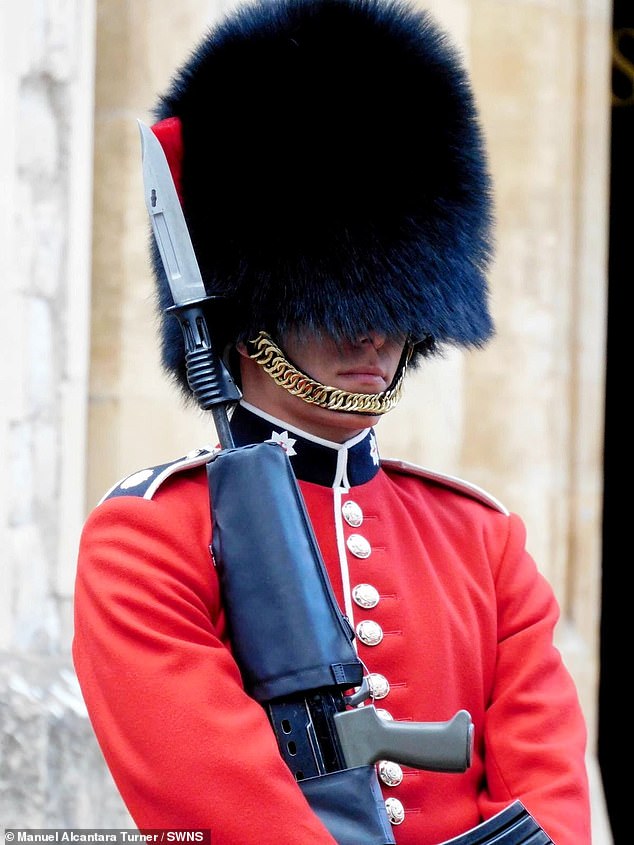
column 241, row 349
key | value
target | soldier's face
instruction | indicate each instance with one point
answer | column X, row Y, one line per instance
column 366, row 366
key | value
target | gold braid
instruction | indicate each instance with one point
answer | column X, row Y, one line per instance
column 270, row 357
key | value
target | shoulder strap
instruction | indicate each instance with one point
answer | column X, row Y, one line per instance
column 145, row 482
column 450, row 481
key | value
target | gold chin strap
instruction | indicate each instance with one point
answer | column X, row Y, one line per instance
column 273, row 361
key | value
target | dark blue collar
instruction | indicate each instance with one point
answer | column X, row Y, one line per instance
column 331, row 464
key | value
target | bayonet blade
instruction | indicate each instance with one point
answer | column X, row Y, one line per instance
column 208, row 378
column 168, row 222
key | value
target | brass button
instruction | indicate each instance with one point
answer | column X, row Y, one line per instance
column 369, row 632
column 352, row 513
column 395, row 811
column 379, row 685
column 390, row 773
column 358, row 546
column 365, row 595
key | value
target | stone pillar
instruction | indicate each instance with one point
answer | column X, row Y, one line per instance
column 535, row 399
column 51, row 768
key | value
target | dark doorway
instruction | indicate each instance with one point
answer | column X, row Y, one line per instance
column 617, row 606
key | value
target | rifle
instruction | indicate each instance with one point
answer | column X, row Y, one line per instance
column 295, row 648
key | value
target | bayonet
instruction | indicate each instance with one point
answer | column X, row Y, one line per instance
column 208, row 378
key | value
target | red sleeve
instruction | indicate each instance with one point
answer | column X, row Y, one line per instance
column 186, row 746
column 535, row 734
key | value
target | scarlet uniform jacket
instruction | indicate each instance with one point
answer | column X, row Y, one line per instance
column 450, row 613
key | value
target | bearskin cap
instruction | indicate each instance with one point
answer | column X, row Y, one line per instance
column 333, row 176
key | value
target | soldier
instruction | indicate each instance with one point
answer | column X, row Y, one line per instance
column 333, row 177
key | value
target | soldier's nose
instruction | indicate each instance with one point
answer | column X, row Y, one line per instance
column 377, row 339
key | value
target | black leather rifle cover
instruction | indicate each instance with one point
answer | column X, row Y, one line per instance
column 288, row 635
column 286, row 628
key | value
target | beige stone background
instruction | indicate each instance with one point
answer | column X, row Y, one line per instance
column 83, row 400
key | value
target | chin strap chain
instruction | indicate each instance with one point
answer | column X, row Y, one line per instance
column 273, row 361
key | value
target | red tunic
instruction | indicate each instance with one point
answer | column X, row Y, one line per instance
column 466, row 623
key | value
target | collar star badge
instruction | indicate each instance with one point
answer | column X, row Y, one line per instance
column 374, row 450
column 284, row 441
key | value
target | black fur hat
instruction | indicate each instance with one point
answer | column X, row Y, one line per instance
column 333, row 176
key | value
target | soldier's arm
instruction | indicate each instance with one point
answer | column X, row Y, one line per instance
column 186, row 746
column 535, row 734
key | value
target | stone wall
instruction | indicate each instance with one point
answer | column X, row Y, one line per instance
column 51, row 771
